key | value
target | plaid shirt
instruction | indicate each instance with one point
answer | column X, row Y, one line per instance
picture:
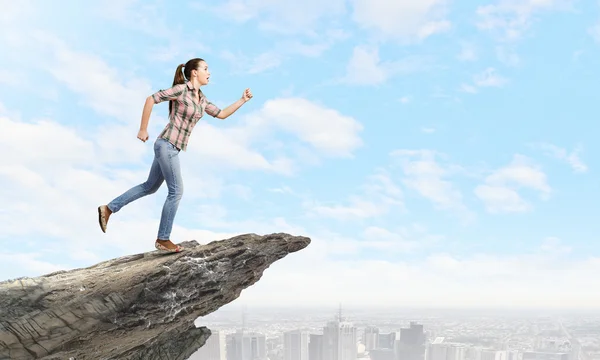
column 186, row 112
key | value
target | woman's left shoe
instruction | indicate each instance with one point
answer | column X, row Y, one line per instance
column 102, row 217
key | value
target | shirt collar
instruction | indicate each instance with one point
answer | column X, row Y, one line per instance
column 191, row 87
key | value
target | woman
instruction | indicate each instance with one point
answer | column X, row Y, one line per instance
column 187, row 104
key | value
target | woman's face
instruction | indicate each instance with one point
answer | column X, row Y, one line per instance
column 201, row 73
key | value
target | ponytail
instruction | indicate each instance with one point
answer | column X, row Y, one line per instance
column 178, row 79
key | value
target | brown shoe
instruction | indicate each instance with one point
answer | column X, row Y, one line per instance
column 102, row 217
column 161, row 247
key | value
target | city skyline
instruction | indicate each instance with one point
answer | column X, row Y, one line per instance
column 437, row 153
column 447, row 337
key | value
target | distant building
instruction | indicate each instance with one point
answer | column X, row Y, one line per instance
column 295, row 345
column 411, row 345
column 246, row 346
column 386, row 340
column 440, row 350
column 371, row 338
column 339, row 340
column 315, row 347
column 213, row 349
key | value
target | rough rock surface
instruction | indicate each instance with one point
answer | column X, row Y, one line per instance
column 135, row 307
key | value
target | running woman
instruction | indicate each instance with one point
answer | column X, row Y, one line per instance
column 187, row 104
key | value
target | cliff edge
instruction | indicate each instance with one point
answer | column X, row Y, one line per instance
column 134, row 307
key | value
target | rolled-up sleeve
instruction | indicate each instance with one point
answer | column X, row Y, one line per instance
column 212, row 109
column 171, row 93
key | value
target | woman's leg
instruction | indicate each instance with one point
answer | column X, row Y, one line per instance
column 168, row 159
column 150, row 186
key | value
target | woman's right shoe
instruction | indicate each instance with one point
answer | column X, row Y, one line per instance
column 161, row 247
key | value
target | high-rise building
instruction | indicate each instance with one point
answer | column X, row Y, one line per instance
column 295, row 345
column 440, row 350
column 371, row 338
column 315, row 347
column 411, row 345
column 386, row 340
column 339, row 340
column 213, row 349
column 457, row 352
column 246, row 346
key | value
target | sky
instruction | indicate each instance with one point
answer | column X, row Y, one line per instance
column 438, row 153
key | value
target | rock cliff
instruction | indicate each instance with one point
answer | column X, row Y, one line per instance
column 134, row 307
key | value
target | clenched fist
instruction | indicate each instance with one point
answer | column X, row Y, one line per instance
column 247, row 95
column 142, row 135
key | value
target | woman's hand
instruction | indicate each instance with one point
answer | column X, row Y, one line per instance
column 247, row 95
column 143, row 135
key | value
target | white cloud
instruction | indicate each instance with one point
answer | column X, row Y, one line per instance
column 487, row 78
column 572, row 158
column 286, row 17
column 424, row 174
column 230, row 148
column 510, row 19
column 552, row 245
column 594, row 31
column 43, row 148
column 106, row 90
column 402, row 240
column 286, row 49
column 326, row 130
column 501, row 199
column 358, row 208
column 500, row 191
column 472, row 280
column 379, row 195
column 403, row 20
column 327, row 39
column 241, row 63
column 366, row 68
column 27, row 263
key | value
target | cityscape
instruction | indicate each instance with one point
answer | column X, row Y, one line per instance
column 392, row 335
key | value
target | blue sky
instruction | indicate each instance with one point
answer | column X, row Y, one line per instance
column 437, row 153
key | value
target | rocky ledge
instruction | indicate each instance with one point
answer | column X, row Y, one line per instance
column 135, row 307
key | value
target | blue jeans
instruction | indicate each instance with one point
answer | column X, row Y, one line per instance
column 164, row 167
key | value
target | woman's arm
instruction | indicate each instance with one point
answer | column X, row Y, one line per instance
column 225, row 113
column 171, row 93
column 148, row 105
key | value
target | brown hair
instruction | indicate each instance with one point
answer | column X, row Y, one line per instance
column 182, row 76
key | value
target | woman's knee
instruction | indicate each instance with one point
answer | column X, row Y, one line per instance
column 152, row 188
column 176, row 191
